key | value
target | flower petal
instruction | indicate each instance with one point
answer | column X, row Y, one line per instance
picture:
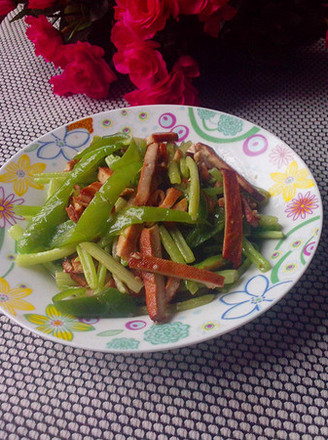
column 68, row 152
column 233, row 298
column 37, row 319
column 77, row 138
column 45, row 329
column 292, row 169
column 8, row 307
column 20, row 292
column 301, row 174
column 277, row 189
column 24, row 163
column 4, row 286
column 278, row 177
column 8, row 177
column 38, row 167
column 21, row 304
column 257, row 285
column 304, row 183
column 48, row 150
column 52, row 312
column 63, row 333
column 240, row 310
column 289, row 192
column 20, row 187
column 12, row 168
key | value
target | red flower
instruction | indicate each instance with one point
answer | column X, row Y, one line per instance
column 192, row 7
column 145, row 17
column 41, row 4
column 137, row 57
column 44, row 36
column 6, row 6
column 176, row 88
column 211, row 12
column 86, row 72
column 213, row 16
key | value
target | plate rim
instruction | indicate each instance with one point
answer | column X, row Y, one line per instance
column 200, row 338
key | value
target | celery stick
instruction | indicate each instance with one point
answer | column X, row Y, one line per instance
column 113, row 266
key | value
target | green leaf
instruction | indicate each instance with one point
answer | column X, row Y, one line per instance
column 2, row 235
column 110, row 333
column 32, row 147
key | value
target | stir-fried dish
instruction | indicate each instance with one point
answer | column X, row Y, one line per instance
column 144, row 225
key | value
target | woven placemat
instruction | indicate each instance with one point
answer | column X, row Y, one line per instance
column 266, row 380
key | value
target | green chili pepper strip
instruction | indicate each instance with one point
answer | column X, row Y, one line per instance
column 143, row 214
column 44, row 257
column 194, row 189
column 38, row 233
column 92, row 222
column 120, row 139
column 15, row 232
column 26, row 210
column 131, row 155
column 108, row 303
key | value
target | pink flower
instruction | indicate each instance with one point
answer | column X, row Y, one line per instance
column 86, row 72
column 302, row 206
column 7, row 204
column 6, row 6
column 176, row 88
column 137, row 57
column 145, row 17
column 280, row 156
column 41, row 4
column 44, row 36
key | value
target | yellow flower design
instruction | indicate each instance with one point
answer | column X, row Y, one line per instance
column 21, row 174
column 287, row 182
column 58, row 324
column 11, row 299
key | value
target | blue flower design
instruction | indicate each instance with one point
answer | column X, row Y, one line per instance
column 256, row 294
column 65, row 143
column 229, row 125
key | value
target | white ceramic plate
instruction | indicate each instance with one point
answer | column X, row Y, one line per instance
column 265, row 160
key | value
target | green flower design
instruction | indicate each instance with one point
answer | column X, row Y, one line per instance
column 58, row 324
column 123, row 344
column 166, row 333
column 229, row 126
column 205, row 114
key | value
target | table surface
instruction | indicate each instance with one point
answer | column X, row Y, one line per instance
column 266, row 380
